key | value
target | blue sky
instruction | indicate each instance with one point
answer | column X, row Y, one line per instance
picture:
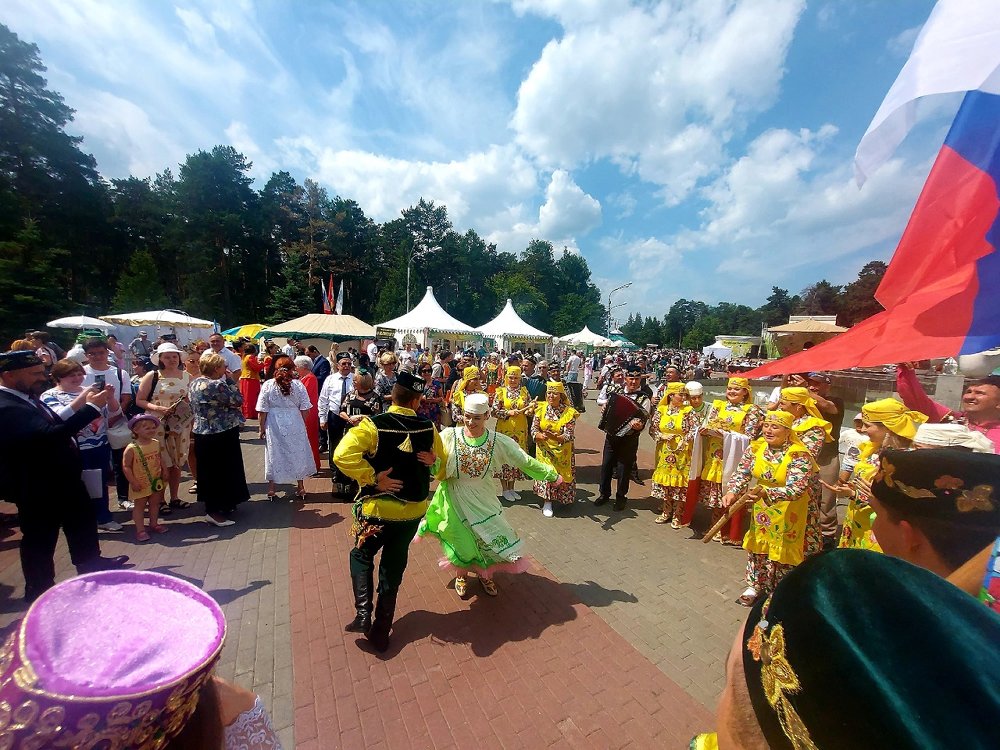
column 699, row 149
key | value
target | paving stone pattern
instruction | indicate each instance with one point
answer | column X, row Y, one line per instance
column 616, row 638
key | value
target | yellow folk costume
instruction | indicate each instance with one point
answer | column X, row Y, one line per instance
column 673, row 429
column 776, row 539
column 514, row 426
column 560, row 421
column 902, row 423
column 723, row 416
column 813, row 431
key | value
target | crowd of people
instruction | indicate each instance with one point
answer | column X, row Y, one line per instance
column 918, row 479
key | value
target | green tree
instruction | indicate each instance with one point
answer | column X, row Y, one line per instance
column 139, row 287
column 778, row 307
column 821, row 298
column 702, row 333
column 46, row 179
column 217, row 203
column 858, row 301
column 31, row 281
column 680, row 319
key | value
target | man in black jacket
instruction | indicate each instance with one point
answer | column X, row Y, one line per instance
column 390, row 456
column 40, row 472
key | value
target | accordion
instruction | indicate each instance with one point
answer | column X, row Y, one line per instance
column 619, row 411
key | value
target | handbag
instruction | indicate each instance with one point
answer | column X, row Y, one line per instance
column 119, row 434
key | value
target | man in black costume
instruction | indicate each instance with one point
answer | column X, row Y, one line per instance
column 390, row 456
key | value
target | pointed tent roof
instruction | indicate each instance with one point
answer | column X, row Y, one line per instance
column 588, row 338
column 428, row 314
column 508, row 323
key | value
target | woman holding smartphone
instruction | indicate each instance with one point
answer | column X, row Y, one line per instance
column 164, row 394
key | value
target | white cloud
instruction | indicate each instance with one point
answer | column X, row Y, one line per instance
column 902, row 44
column 647, row 85
column 567, row 211
column 783, row 207
column 124, row 129
column 471, row 187
column 263, row 163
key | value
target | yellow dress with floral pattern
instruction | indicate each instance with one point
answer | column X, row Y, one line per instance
column 857, row 533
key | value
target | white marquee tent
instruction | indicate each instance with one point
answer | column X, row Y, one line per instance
column 718, row 351
column 157, row 322
column 509, row 330
column 428, row 321
column 586, row 337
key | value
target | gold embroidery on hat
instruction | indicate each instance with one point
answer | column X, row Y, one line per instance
column 915, row 492
column 780, row 682
column 886, row 472
column 979, row 497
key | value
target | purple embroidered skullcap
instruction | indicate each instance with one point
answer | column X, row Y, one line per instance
column 115, row 659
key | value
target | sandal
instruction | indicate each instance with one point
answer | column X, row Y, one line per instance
column 675, row 524
column 165, row 510
column 178, row 503
column 159, row 528
column 488, row 586
column 300, row 494
column 662, row 518
column 461, row 586
column 141, row 536
column 193, row 489
column 272, row 496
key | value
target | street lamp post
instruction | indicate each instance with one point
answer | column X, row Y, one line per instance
column 616, row 289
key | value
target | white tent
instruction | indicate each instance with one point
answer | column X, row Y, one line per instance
column 508, row 330
column 586, row 337
column 428, row 321
column 157, row 322
column 718, row 351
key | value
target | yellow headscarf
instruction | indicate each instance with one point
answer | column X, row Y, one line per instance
column 740, row 383
column 799, row 395
column 513, row 370
column 469, row 373
column 895, row 416
column 673, row 388
column 782, row 418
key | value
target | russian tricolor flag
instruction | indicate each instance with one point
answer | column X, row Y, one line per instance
column 942, row 289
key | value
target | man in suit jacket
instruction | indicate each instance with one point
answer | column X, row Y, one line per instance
column 40, row 472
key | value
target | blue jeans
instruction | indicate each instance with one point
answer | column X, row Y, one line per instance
column 100, row 458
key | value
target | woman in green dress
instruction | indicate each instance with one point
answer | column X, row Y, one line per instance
column 465, row 514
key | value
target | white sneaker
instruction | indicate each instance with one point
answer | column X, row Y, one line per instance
column 547, row 510
column 227, row 522
column 110, row 526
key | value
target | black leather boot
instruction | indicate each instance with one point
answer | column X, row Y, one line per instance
column 363, row 592
column 385, row 609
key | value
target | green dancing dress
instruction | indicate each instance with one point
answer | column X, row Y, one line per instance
column 465, row 514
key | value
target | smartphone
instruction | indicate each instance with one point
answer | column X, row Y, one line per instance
column 99, row 381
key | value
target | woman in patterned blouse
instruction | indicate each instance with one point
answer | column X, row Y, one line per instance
column 784, row 471
column 216, row 403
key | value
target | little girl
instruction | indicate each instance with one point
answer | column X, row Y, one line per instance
column 141, row 464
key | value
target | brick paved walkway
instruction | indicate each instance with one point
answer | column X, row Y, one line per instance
column 616, row 638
